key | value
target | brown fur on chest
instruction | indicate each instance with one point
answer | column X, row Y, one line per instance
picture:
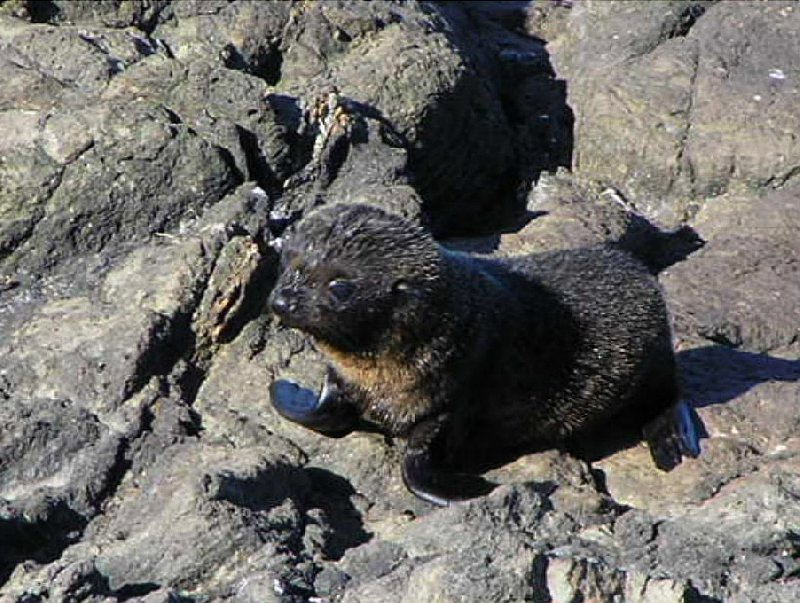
column 394, row 388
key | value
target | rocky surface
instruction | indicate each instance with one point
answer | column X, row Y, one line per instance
column 681, row 100
column 152, row 150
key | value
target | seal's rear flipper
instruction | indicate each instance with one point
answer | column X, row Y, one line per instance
column 672, row 435
column 423, row 474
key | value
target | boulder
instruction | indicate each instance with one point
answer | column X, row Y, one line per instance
column 680, row 101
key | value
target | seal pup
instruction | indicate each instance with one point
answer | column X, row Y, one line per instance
column 464, row 355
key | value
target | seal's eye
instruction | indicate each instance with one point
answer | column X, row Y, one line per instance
column 341, row 289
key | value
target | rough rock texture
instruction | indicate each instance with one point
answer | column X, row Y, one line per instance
column 153, row 150
column 682, row 100
column 752, row 253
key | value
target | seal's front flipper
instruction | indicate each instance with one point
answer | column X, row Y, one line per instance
column 329, row 413
column 672, row 435
column 423, row 474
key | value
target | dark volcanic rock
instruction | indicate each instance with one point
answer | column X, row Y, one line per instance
column 218, row 511
column 753, row 549
column 81, row 172
column 111, row 140
column 742, row 289
column 59, row 463
column 152, row 154
column 461, row 114
column 241, row 35
column 89, row 388
column 682, row 99
column 142, row 14
column 186, row 491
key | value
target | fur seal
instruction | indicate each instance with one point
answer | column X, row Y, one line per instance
column 463, row 355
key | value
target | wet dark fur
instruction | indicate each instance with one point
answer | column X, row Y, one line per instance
column 510, row 352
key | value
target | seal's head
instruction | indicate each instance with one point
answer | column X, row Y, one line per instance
column 351, row 272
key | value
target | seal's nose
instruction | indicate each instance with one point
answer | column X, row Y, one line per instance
column 282, row 303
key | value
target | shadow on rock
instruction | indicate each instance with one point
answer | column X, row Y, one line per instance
column 44, row 11
column 480, row 185
column 658, row 249
column 716, row 374
column 42, row 541
column 387, row 131
column 710, row 375
column 259, row 492
column 340, row 521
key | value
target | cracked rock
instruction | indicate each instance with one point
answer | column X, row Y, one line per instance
column 677, row 101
